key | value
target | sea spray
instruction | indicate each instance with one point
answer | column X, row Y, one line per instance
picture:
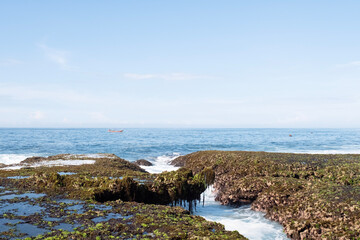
column 8, row 159
column 162, row 163
column 247, row 222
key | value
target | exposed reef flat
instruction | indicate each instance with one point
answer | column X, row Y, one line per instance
column 105, row 197
column 314, row 196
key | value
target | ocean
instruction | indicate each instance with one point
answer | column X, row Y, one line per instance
column 137, row 143
column 162, row 145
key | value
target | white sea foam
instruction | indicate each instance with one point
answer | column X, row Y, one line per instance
column 247, row 222
column 60, row 162
column 13, row 160
column 90, row 155
column 162, row 163
column 8, row 159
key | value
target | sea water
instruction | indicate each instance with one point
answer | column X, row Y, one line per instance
column 162, row 145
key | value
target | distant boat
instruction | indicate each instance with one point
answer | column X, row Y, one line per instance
column 115, row 130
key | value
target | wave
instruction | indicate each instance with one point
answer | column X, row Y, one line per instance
column 9, row 159
column 162, row 163
column 60, row 162
column 247, row 222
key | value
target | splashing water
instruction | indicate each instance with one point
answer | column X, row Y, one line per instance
column 247, row 222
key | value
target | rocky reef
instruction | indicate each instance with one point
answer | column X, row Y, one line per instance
column 102, row 197
column 314, row 196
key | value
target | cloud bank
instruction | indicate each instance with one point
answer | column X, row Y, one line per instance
column 168, row 77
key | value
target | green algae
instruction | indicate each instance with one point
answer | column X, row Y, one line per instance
column 165, row 188
column 131, row 197
column 315, row 196
column 139, row 221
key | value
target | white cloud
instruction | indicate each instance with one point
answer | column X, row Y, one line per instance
column 168, row 77
column 355, row 63
column 10, row 62
column 139, row 76
column 37, row 115
column 297, row 117
column 65, row 120
column 99, row 117
column 51, row 93
column 59, row 57
column 350, row 64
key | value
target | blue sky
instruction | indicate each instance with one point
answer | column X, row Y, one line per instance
column 192, row 63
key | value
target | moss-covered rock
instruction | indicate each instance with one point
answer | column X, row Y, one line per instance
column 143, row 162
column 128, row 189
column 314, row 196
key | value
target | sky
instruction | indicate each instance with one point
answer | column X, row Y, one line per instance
column 160, row 63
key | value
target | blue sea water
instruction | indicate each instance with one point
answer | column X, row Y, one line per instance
column 133, row 144
column 161, row 145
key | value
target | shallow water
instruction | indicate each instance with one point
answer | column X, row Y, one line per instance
column 66, row 173
column 5, row 224
column 24, row 195
column 18, row 177
column 67, row 226
column 30, row 229
column 78, row 208
column 19, row 208
column 26, row 205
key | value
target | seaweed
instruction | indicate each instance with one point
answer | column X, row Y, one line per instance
column 111, row 198
column 314, row 196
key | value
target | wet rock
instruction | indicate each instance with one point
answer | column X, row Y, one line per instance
column 34, row 160
column 312, row 195
column 118, row 183
column 57, row 218
column 179, row 161
column 143, row 162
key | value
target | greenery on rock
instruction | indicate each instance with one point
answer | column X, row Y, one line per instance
column 315, row 196
column 119, row 193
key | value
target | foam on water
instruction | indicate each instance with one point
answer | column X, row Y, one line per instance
column 162, row 163
column 247, row 222
column 90, row 155
column 12, row 159
column 8, row 159
column 59, row 162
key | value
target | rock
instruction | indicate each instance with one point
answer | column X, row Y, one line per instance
column 34, row 159
column 312, row 195
column 179, row 161
column 143, row 162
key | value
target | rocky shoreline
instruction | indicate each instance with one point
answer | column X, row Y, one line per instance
column 102, row 197
column 314, row 196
